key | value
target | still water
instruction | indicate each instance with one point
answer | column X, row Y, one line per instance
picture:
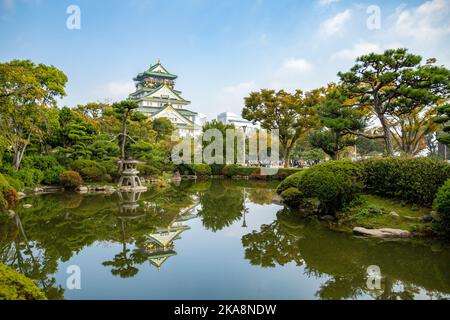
column 208, row 240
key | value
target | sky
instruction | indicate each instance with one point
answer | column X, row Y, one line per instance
column 220, row 50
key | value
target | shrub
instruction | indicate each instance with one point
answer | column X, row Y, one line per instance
column 78, row 165
column 442, row 205
column 16, row 184
column 29, row 176
column 237, row 170
column 40, row 162
column 201, row 169
column 415, row 180
column 91, row 171
column 70, row 179
column 291, row 181
column 216, row 169
column 51, row 175
column 15, row 286
column 94, row 174
column 8, row 196
column 184, row 169
column 283, row 173
column 111, row 168
column 148, row 170
column 292, row 197
column 335, row 184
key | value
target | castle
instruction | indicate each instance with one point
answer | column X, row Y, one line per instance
column 157, row 97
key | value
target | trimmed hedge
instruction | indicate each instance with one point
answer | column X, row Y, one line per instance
column 70, row 179
column 442, row 205
column 16, row 286
column 292, row 181
column 334, row 184
column 292, row 197
column 415, row 180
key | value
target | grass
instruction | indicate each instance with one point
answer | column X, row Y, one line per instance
column 374, row 212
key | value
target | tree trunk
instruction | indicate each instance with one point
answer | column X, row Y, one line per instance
column 18, row 155
column 387, row 135
column 286, row 157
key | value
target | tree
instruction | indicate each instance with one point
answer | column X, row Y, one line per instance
column 444, row 118
column 394, row 81
column 340, row 121
column 163, row 127
column 412, row 129
column 291, row 114
column 125, row 111
column 26, row 92
column 214, row 124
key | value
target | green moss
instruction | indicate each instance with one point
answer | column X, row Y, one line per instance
column 15, row 286
column 374, row 212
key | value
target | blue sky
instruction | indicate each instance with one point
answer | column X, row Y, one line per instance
column 221, row 50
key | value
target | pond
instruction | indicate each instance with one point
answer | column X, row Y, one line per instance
column 219, row 239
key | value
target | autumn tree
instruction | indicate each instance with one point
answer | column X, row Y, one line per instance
column 291, row 114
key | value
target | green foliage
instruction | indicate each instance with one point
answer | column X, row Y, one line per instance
column 70, row 179
column 51, row 175
column 291, row 114
column 201, row 169
column 15, row 286
column 94, row 174
column 91, row 171
column 27, row 94
column 415, row 180
column 30, row 177
column 48, row 165
column 216, row 169
column 163, row 127
column 292, row 197
column 15, row 183
column 291, row 181
column 335, row 184
column 442, row 205
column 194, row 169
column 237, row 170
column 339, row 120
column 402, row 84
column 148, row 170
column 444, row 119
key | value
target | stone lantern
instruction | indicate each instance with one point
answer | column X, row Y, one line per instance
column 129, row 181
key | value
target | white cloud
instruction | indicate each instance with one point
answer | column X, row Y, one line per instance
column 241, row 88
column 296, row 65
column 357, row 50
column 426, row 22
column 335, row 25
column 116, row 90
column 324, row 3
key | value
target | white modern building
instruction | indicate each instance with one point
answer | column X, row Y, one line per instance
column 237, row 121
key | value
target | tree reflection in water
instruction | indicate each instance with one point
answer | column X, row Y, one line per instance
column 344, row 259
column 145, row 226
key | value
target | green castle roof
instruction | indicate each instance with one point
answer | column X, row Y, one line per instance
column 151, row 73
